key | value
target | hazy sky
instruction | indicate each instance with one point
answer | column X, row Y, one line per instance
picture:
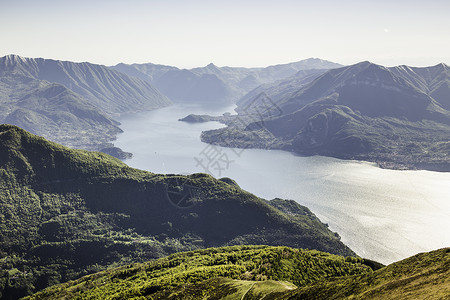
column 235, row 33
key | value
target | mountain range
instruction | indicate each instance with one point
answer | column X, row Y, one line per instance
column 111, row 91
column 71, row 103
column 396, row 116
column 76, row 103
column 214, row 85
column 65, row 213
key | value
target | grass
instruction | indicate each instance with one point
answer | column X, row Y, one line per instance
column 261, row 272
column 202, row 271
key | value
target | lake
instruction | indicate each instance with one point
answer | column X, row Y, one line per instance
column 385, row 215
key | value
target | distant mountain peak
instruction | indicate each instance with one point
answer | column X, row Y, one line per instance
column 234, row 83
column 212, row 67
column 15, row 57
column 442, row 65
column 365, row 63
column 121, row 65
column 11, row 60
column 369, row 67
column 314, row 63
column 316, row 59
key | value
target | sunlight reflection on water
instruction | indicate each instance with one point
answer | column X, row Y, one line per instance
column 384, row 215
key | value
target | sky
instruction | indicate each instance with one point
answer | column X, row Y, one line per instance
column 193, row 33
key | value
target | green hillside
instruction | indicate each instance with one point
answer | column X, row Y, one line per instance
column 66, row 213
column 261, row 272
column 204, row 273
column 423, row 276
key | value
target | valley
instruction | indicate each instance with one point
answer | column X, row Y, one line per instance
column 395, row 213
column 224, row 150
column 299, row 131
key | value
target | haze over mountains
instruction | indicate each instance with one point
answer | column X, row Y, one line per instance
column 397, row 116
column 216, row 85
column 364, row 111
column 111, row 91
column 72, row 103
column 76, row 103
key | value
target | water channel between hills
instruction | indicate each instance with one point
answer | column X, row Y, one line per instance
column 385, row 215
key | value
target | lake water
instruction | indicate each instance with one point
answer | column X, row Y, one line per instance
column 384, row 215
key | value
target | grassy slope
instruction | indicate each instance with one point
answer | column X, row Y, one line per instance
column 66, row 213
column 423, row 276
column 229, row 289
column 192, row 275
column 253, row 272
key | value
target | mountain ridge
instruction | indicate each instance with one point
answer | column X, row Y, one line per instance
column 71, row 103
column 107, row 89
column 55, row 112
column 364, row 111
column 236, row 80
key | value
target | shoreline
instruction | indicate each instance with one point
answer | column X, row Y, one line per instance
column 376, row 158
column 380, row 163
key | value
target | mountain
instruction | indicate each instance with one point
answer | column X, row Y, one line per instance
column 70, row 103
column 216, row 85
column 187, row 87
column 371, row 89
column 55, row 112
column 279, row 89
column 434, row 81
column 397, row 116
column 182, row 85
column 148, row 72
column 245, row 79
column 110, row 91
column 65, row 213
column 261, row 272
